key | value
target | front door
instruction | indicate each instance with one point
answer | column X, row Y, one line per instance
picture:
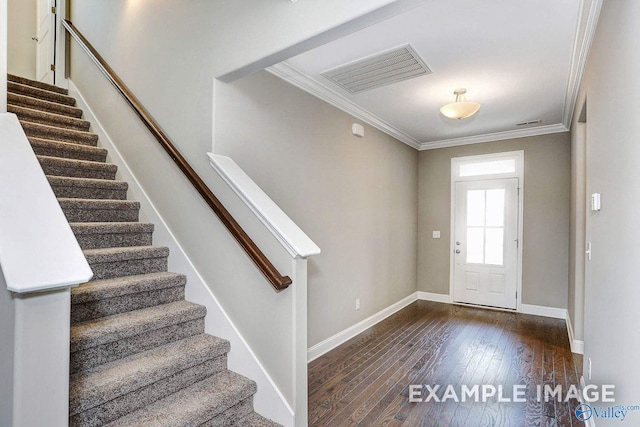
column 45, row 51
column 486, row 242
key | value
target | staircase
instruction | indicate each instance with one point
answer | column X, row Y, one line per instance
column 139, row 354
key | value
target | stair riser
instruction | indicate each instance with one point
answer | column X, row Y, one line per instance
column 109, row 270
column 125, row 303
column 84, row 360
column 232, row 415
column 113, row 240
column 74, row 192
column 44, row 149
column 101, row 215
column 103, row 414
column 38, row 104
column 40, row 94
column 74, row 172
column 42, row 118
column 58, row 134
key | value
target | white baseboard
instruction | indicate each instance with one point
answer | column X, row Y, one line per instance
column 428, row 296
column 268, row 401
column 539, row 310
column 345, row 335
column 577, row 346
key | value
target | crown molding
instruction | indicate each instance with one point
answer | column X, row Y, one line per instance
column 496, row 136
column 299, row 79
column 586, row 26
column 582, row 45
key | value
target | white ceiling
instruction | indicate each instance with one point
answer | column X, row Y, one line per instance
column 518, row 58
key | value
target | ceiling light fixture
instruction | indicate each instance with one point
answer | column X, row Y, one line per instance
column 461, row 108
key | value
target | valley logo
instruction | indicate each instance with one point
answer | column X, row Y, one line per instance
column 584, row 412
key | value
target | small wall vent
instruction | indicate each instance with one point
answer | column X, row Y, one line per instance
column 380, row 69
column 530, row 122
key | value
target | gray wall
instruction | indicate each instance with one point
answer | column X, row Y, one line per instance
column 356, row 198
column 546, row 215
column 168, row 51
column 21, row 27
column 613, row 151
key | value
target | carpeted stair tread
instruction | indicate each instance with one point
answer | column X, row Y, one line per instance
column 88, row 188
column 108, row 297
column 195, row 405
column 43, row 105
column 35, row 83
column 125, row 254
column 109, row 329
column 77, row 168
column 109, row 263
column 96, row 210
column 38, row 93
column 120, row 286
column 256, row 420
column 51, row 148
column 111, row 380
column 38, row 130
column 97, row 235
column 47, row 118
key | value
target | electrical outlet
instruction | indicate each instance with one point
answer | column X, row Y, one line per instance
column 589, row 368
column 357, row 303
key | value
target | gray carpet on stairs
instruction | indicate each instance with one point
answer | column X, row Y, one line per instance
column 139, row 354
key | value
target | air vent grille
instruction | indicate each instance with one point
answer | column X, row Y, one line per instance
column 530, row 122
column 379, row 70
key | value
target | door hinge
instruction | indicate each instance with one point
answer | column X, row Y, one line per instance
column 518, row 191
column 53, row 10
column 53, row 67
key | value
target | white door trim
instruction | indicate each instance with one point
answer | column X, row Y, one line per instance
column 518, row 156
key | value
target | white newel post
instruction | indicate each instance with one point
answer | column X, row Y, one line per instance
column 41, row 359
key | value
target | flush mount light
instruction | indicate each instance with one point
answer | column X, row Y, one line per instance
column 461, row 108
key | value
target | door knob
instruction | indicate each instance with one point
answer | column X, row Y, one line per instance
column 457, row 251
column 458, row 243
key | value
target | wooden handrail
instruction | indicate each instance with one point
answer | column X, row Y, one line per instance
column 278, row 281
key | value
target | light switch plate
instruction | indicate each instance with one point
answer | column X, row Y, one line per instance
column 436, row 234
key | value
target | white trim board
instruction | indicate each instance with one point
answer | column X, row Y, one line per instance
column 585, row 30
column 268, row 401
column 577, row 346
column 341, row 337
column 544, row 311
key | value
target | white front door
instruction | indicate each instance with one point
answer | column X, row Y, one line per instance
column 46, row 41
column 486, row 242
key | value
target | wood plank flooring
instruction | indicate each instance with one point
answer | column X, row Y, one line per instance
column 365, row 381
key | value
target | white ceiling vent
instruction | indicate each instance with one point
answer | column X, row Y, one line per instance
column 380, row 69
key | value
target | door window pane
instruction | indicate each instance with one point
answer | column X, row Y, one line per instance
column 495, row 207
column 475, row 208
column 492, row 167
column 475, row 245
column 494, row 246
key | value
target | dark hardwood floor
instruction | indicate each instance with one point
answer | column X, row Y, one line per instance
column 366, row 380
